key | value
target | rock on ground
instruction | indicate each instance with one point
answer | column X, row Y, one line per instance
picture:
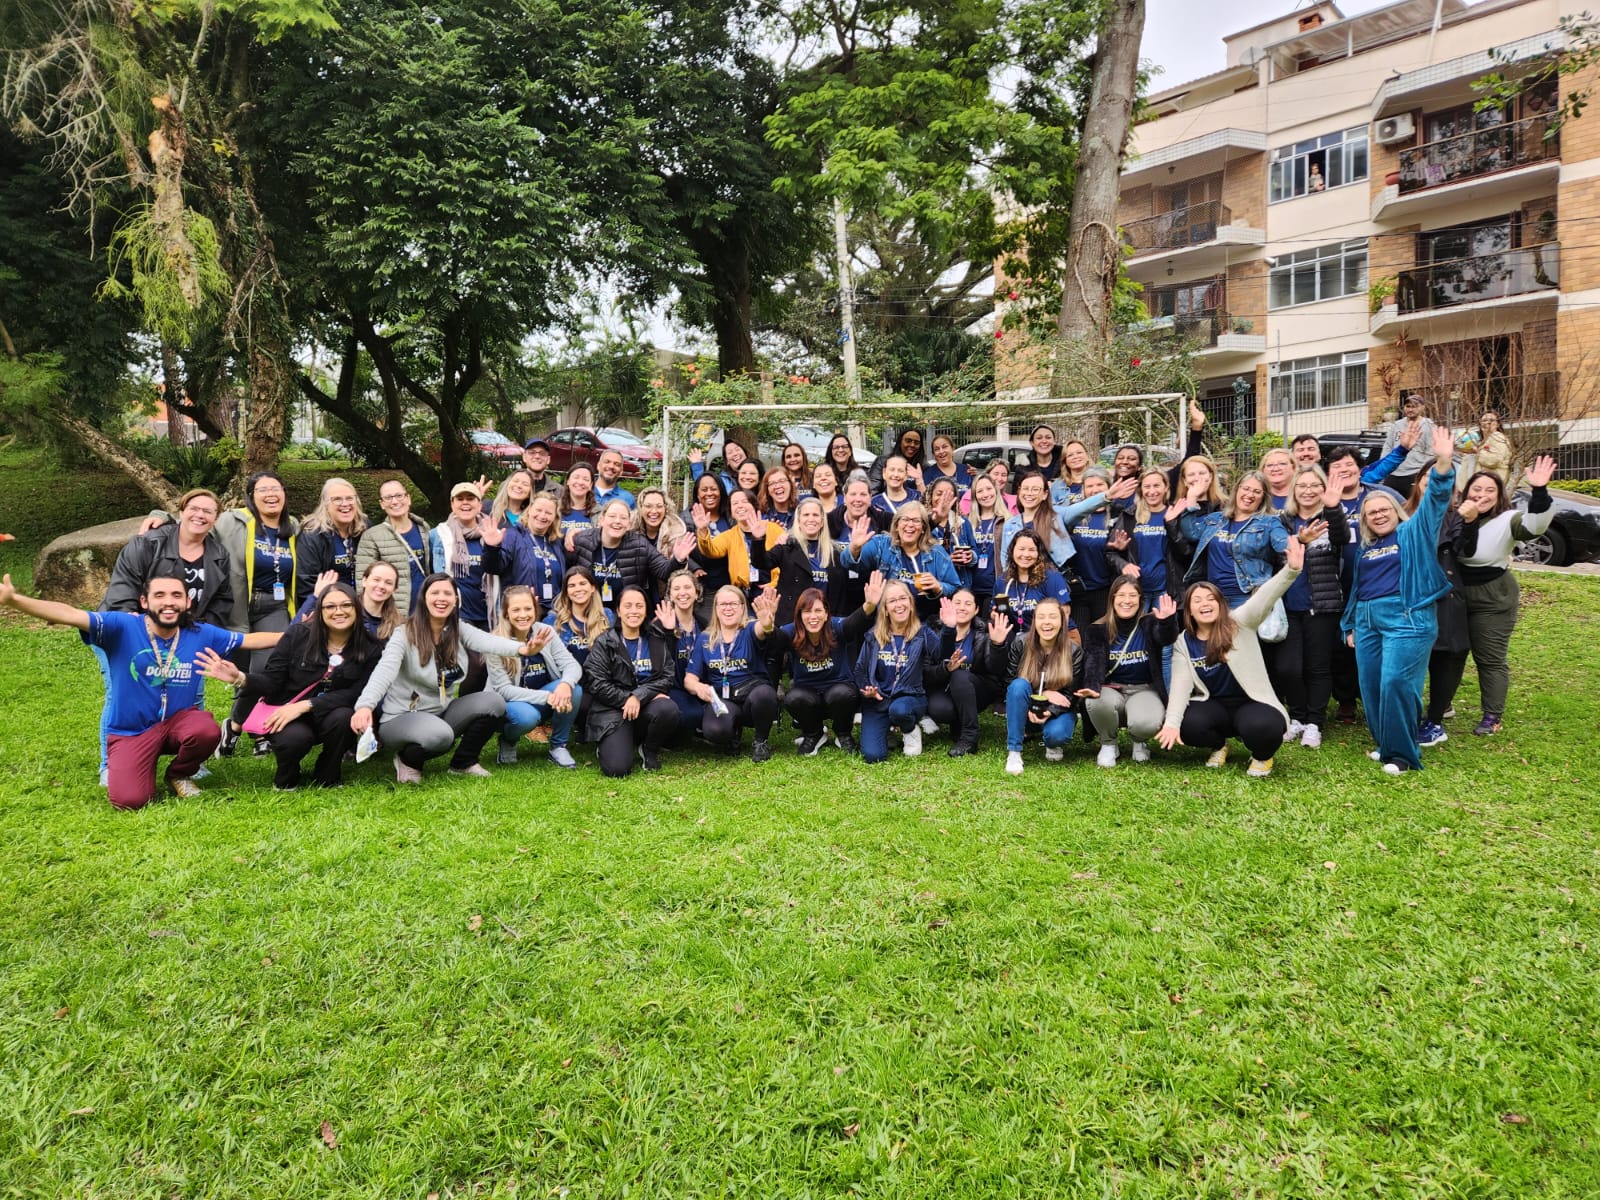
column 76, row 567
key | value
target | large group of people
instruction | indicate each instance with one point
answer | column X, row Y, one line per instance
column 871, row 603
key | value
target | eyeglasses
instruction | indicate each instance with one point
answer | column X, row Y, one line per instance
column 333, row 608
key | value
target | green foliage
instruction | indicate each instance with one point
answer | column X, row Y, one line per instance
column 1584, row 487
column 1574, row 52
column 157, row 270
column 30, row 385
column 208, row 465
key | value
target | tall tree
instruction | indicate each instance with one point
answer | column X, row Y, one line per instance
column 1094, row 254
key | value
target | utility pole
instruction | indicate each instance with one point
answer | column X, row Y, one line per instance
column 847, row 300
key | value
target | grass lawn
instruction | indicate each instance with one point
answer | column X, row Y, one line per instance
column 809, row 978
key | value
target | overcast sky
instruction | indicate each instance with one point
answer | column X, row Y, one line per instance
column 1184, row 38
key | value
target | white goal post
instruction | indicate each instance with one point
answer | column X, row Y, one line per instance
column 1155, row 420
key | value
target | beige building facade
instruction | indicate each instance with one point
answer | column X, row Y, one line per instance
column 1332, row 222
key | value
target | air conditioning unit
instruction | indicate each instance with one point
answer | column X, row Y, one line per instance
column 1396, row 129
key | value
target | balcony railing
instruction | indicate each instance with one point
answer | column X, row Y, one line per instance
column 1196, row 330
column 1517, row 398
column 1481, row 152
column 1482, row 277
column 1191, row 226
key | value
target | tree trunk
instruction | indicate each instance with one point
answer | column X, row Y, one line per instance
column 162, row 494
column 271, row 378
column 1094, row 254
column 731, row 316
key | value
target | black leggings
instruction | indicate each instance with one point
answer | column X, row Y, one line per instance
column 1305, row 665
column 329, row 729
column 652, row 728
column 757, row 708
column 1209, row 724
column 959, row 703
column 810, row 707
column 1445, row 669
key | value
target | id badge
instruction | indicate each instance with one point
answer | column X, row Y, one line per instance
column 755, row 574
column 605, row 593
column 725, row 692
column 548, row 590
column 278, row 592
column 854, row 574
column 983, row 562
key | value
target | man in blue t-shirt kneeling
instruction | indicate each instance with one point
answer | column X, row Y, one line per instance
column 159, row 660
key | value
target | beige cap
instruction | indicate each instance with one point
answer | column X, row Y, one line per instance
column 466, row 486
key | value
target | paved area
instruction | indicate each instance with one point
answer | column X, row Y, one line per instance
column 1575, row 569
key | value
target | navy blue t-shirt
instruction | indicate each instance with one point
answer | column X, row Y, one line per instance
column 1089, row 542
column 1128, row 660
column 826, row 672
column 1220, row 566
column 727, row 665
column 1024, row 599
column 1150, row 549
column 1219, row 680
column 413, row 541
column 274, row 563
column 1379, row 572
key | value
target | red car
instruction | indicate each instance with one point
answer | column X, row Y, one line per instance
column 584, row 444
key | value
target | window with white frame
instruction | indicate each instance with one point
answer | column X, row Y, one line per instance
column 1328, row 381
column 1317, row 164
column 1320, row 273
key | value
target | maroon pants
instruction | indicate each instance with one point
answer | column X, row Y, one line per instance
column 189, row 736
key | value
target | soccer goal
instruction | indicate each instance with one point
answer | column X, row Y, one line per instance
column 981, row 432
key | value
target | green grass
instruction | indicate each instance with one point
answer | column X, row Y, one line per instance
column 810, row 978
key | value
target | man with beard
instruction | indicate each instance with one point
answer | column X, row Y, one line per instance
column 158, row 659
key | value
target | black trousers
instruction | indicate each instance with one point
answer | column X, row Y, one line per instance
column 1445, row 669
column 1346, row 682
column 812, row 707
column 959, row 703
column 329, row 729
column 1209, row 724
column 652, row 728
column 1305, row 665
column 757, row 709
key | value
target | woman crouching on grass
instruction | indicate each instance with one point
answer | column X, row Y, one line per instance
column 379, row 614
column 727, row 673
column 1389, row 616
column 538, row 689
column 418, row 681
column 889, row 674
column 1040, row 665
column 1218, row 659
column 629, row 679
column 822, row 687
column 1122, row 682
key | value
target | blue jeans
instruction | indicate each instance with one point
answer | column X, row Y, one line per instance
column 903, row 712
column 105, row 703
column 1057, row 731
column 522, row 716
column 1392, row 648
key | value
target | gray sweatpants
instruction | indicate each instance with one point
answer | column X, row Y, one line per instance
column 418, row 736
column 1136, row 704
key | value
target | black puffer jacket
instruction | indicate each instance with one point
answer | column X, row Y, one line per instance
column 1324, row 561
column 641, row 564
column 609, row 679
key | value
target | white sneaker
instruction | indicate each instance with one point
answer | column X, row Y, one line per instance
column 1108, row 755
column 928, row 725
column 913, row 742
column 1054, row 754
column 405, row 774
column 1311, row 738
column 1391, row 768
column 1014, row 762
column 856, row 720
column 1141, row 752
column 1294, row 731
column 1374, row 756
column 475, row 770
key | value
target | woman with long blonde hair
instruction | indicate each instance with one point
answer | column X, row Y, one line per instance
column 889, row 674
column 541, row 688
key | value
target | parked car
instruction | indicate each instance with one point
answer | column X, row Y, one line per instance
column 814, row 438
column 495, row 445
column 1573, row 536
column 1155, row 457
column 1368, row 445
column 582, row 443
column 975, row 456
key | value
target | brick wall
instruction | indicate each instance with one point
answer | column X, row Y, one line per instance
column 1244, row 190
column 1134, row 204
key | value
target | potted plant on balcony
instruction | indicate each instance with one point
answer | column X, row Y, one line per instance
column 1380, row 294
column 1243, row 324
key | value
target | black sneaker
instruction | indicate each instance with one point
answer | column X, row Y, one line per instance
column 649, row 759
column 847, row 743
column 961, row 750
column 230, row 740
column 810, row 744
column 760, row 752
column 262, row 748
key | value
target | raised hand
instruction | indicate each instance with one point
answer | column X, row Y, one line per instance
column 666, row 617
column 1469, row 511
column 956, row 661
column 484, row 486
column 1334, row 492
column 697, row 456
column 491, row 533
column 684, row 546
column 1121, row 489
column 860, row 533
column 766, row 605
column 999, row 626
column 1165, row 607
column 1197, row 417
column 1311, row 531
column 325, row 581
column 1118, row 539
column 1197, row 491
column 1167, row 737
column 208, row 662
column 1409, row 435
column 947, row 613
column 1444, row 446
column 701, row 518
column 1295, row 554
column 873, row 592
column 1542, row 471
column 539, row 638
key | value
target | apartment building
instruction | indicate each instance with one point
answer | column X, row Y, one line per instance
column 1332, row 224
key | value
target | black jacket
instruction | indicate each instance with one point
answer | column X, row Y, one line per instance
column 1324, row 562
column 937, row 678
column 641, row 564
column 794, row 576
column 1097, row 652
column 608, row 677
column 296, row 663
column 156, row 554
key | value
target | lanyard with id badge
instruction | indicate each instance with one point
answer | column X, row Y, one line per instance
column 166, row 668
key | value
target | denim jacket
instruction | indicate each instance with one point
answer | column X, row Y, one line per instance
column 1257, row 547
